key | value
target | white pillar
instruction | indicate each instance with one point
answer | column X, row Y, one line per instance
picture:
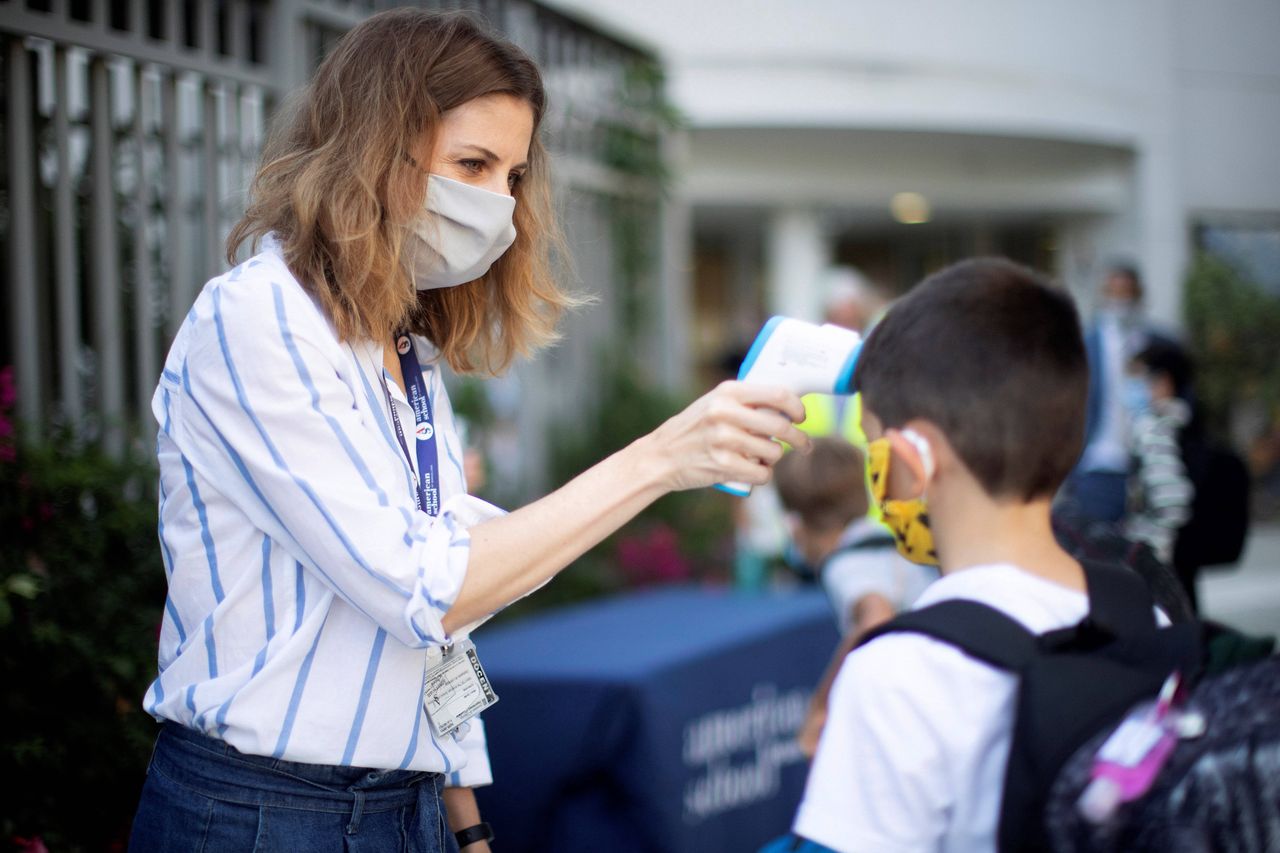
column 1087, row 245
column 797, row 252
column 1163, row 240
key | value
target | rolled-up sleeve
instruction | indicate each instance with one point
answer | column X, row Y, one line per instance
column 270, row 416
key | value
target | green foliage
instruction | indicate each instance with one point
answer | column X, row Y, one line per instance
column 469, row 402
column 631, row 143
column 684, row 536
column 1234, row 330
column 82, row 589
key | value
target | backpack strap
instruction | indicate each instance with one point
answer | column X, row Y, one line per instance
column 980, row 631
column 1119, row 605
column 1120, row 602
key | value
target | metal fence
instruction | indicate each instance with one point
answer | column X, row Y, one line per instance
column 131, row 132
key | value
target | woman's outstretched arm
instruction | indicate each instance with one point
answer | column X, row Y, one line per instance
column 721, row 437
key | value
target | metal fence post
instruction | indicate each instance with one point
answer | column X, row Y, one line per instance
column 177, row 258
column 146, row 358
column 25, row 316
column 108, row 337
column 66, row 254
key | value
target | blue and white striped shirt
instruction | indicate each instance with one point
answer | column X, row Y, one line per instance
column 306, row 591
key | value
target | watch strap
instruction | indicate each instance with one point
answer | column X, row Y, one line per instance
column 480, row 832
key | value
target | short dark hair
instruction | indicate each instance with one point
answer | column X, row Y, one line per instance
column 991, row 353
column 1130, row 271
column 1166, row 357
column 827, row 488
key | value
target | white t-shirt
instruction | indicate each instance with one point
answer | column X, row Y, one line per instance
column 913, row 754
column 850, row 575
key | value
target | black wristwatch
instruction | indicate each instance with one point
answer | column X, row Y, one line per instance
column 480, row 832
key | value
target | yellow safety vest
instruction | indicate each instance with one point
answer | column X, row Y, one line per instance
column 820, row 418
column 820, row 412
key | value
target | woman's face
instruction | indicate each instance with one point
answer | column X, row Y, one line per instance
column 485, row 143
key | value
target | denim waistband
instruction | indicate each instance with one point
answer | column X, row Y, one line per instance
column 218, row 770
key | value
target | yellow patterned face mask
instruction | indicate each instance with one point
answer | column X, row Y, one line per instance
column 908, row 520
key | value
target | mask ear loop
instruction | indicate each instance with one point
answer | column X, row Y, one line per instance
column 922, row 447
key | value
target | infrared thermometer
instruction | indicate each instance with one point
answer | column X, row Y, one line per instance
column 803, row 357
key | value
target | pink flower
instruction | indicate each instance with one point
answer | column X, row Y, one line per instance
column 653, row 557
column 8, row 393
column 29, row 845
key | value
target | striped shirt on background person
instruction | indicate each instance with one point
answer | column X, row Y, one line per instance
column 306, row 590
column 1160, row 492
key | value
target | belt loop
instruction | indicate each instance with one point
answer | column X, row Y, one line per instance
column 357, row 812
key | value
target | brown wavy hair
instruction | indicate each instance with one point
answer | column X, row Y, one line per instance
column 337, row 190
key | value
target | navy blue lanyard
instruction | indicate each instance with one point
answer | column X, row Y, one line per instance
column 428, row 486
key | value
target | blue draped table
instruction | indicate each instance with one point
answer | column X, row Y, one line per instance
column 658, row 722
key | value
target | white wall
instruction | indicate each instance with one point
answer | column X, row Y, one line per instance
column 1161, row 111
column 1077, row 69
column 1228, row 73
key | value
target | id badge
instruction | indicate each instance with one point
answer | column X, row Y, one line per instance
column 456, row 689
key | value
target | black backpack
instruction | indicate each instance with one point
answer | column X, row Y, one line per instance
column 1215, row 533
column 1072, row 683
column 1218, row 791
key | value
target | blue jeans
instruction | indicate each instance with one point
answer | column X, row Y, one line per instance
column 202, row 794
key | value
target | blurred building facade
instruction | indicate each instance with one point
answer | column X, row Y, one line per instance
column 131, row 130
column 894, row 137
column 899, row 136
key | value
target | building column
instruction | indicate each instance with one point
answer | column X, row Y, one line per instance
column 797, row 253
column 1087, row 245
column 1163, row 238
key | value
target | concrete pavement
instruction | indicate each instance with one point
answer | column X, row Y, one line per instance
column 1247, row 597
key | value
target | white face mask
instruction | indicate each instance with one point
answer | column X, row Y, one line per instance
column 461, row 232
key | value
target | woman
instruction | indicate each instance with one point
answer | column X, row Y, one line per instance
column 324, row 559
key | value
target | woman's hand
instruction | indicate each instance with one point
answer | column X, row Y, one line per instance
column 727, row 436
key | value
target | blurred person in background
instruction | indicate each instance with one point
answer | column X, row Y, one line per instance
column 854, row 558
column 1160, row 493
column 325, row 564
column 1119, row 331
column 1189, row 494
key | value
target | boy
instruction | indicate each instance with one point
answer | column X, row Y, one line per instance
column 1160, row 493
column 825, row 496
column 824, row 493
column 973, row 391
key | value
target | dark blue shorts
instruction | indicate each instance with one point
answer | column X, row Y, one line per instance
column 202, row 794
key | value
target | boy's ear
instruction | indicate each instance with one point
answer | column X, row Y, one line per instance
column 909, row 471
column 921, row 463
column 944, row 455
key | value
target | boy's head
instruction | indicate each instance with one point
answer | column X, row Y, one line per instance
column 826, row 488
column 989, row 353
column 1167, row 369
